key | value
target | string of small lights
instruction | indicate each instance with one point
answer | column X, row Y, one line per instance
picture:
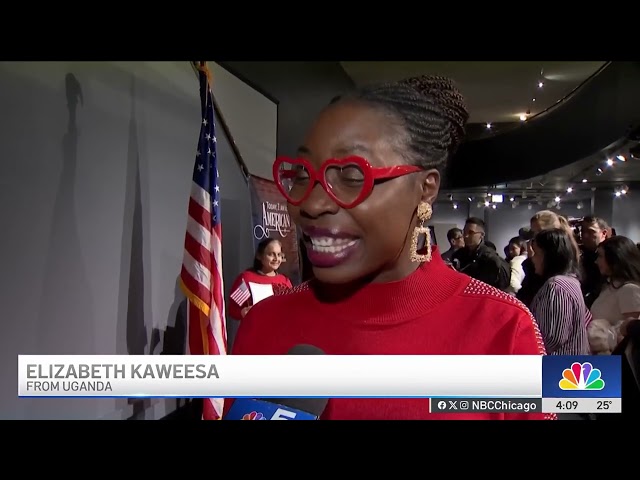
column 539, row 84
column 494, row 200
column 534, row 101
column 575, row 184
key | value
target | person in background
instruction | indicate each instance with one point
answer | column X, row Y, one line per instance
column 491, row 245
column 542, row 220
column 619, row 301
column 264, row 272
column 629, row 351
column 517, row 249
column 456, row 242
column 525, row 233
column 559, row 306
column 361, row 189
column 594, row 231
column 479, row 260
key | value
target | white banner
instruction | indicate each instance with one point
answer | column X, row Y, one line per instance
column 331, row 376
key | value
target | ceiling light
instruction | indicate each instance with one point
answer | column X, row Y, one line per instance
column 618, row 194
column 486, row 204
column 621, row 158
column 569, row 190
column 557, row 199
column 512, row 199
column 488, row 125
column 455, row 205
column 584, row 180
column 494, row 207
column 523, row 117
column 609, row 162
column 540, row 84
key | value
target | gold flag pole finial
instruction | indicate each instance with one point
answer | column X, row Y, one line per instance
column 204, row 68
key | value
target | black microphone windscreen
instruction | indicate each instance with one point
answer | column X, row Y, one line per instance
column 312, row 405
column 305, row 350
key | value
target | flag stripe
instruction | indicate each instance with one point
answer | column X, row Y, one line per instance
column 199, row 214
column 196, row 250
column 201, row 197
column 198, row 233
column 195, row 291
column 201, row 275
column 217, row 257
column 241, row 294
column 197, row 271
column 241, row 297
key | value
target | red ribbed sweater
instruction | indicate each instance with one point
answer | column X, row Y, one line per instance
column 434, row 311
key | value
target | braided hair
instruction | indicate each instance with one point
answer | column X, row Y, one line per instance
column 431, row 111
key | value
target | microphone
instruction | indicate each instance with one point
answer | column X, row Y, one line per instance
column 280, row 408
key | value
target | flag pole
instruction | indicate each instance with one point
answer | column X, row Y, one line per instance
column 206, row 325
column 202, row 67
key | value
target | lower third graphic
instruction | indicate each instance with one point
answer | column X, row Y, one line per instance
column 486, row 405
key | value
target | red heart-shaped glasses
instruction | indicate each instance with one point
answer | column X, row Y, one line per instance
column 347, row 181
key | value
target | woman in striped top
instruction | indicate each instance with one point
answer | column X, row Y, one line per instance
column 559, row 305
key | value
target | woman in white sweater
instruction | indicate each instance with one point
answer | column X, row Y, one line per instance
column 517, row 249
column 619, row 261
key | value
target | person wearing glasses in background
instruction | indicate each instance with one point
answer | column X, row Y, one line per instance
column 361, row 190
column 456, row 242
column 479, row 259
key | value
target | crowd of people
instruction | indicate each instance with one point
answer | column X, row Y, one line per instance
column 582, row 283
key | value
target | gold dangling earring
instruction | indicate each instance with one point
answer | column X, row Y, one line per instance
column 424, row 214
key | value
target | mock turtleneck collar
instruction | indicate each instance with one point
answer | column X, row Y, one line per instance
column 427, row 287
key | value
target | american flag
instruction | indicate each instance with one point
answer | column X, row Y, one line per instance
column 241, row 294
column 201, row 275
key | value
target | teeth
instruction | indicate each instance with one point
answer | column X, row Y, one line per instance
column 331, row 245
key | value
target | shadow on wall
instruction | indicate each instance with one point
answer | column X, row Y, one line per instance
column 65, row 277
column 133, row 296
column 174, row 338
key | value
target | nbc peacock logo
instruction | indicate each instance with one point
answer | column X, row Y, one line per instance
column 581, row 376
column 253, row 416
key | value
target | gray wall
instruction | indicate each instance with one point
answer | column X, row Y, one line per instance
column 301, row 88
column 94, row 182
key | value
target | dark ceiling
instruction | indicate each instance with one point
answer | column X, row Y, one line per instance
column 497, row 93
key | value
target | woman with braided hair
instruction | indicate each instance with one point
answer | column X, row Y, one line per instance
column 361, row 188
